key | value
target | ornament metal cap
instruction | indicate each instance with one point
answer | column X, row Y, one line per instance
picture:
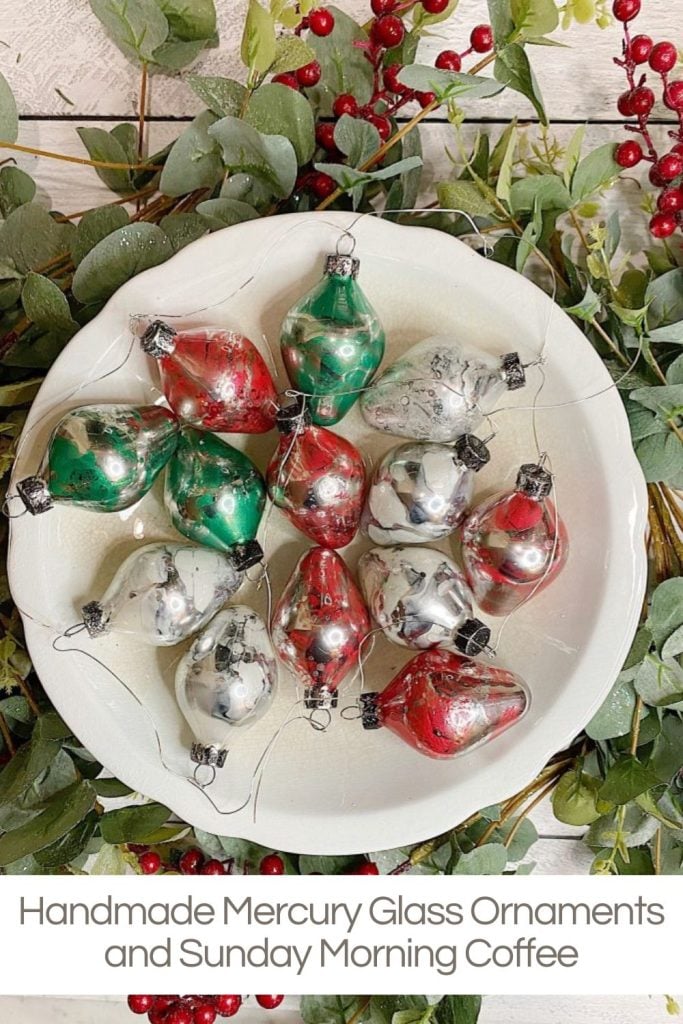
column 472, row 638
column 369, row 715
column 35, row 495
column 513, row 371
column 472, row 452
column 94, row 619
column 159, row 339
column 342, row 266
column 320, row 698
column 534, row 481
column 212, row 756
column 247, row 554
column 292, row 416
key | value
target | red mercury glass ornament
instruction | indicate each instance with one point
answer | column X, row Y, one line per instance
column 319, row 624
column 213, row 378
column 317, row 478
column 442, row 704
column 514, row 544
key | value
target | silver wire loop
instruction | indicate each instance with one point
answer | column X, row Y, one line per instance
column 211, row 768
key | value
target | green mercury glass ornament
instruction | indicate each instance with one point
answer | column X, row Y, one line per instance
column 102, row 457
column 332, row 342
column 215, row 495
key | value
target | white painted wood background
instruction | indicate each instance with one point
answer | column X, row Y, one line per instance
column 55, row 45
column 573, row 1009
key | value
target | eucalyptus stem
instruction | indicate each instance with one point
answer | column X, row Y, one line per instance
column 507, row 842
column 108, row 164
column 26, row 693
column 142, row 115
column 356, row 1016
column 635, row 726
column 142, row 193
column 7, row 736
column 657, row 851
column 668, row 526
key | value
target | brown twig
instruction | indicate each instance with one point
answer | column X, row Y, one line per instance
column 507, row 842
column 664, row 509
column 657, row 851
column 142, row 114
column 7, row 736
column 635, row 726
column 357, row 1014
column 107, row 164
column 150, row 190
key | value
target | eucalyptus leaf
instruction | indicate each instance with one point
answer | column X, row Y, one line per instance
column 183, row 228
column 513, row 69
column 594, row 172
column 16, row 189
column 458, row 1009
column 465, row 196
column 9, row 118
column 349, row 179
column 223, row 96
column 175, row 54
column 30, row 761
column 535, row 18
column 625, row 780
column 132, row 824
column 111, row 788
column 118, row 258
column 489, row 859
column 665, row 400
column 110, row 861
column 543, row 191
column 666, row 611
column 271, row 158
column 70, row 846
column 344, row 67
column 589, row 306
column 356, row 139
column 575, row 799
column 328, row 1009
column 20, row 392
column 660, row 681
column 664, row 298
column 310, row 864
column 194, row 161
column 291, row 53
column 660, row 459
column 500, row 16
column 275, row 109
column 222, row 213
column 616, row 714
column 94, row 226
column 669, row 334
column 136, row 28
column 448, row 85
column 105, row 147
column 30, row 237
column 258, row 39
column 46, row 305
column 61, row 814
column 190, row 19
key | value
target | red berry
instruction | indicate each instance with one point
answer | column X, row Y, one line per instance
column 345, row 104
column 449, row 60
column 673, row 95
column 213, row 867
column 191, row 861
column 163, row 1003
column 269, row 1002
column 435, row 6
column 309, row 75
column 669, row 166
column 156, row 1016
column 380, row 7
column 391, row 81
column 368, row 868
column 628, row 153
column 663, row 224
column 425, row 98
column 642, row 100
column 272, row 864
column 179, row 1015
column 204, row 1014
column 149, row 862
column 625, row 10
column 382, row 124
column 655, row 177
column 287, row 78
column 624, row 104
column 663, row 57
column 324, row 135
column 388, row 31
column 678, row 148
column 140, row 1004
column 639, row 49
column 481, row 38
column 670, row 201
column 321, row 21
column 228, row 1006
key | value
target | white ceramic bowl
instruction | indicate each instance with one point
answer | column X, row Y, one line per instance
column 343, row 790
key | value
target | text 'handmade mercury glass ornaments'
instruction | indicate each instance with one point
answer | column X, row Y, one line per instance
column 102, row 457
column 332, row 342
column 439, row 390
column 226, row 681
column 420, row 599
column 163, row 593
column 420, row 491
column 213, row 378
column 443, row 705
column 214, row 493
column 317, row 478
column 514, row 544
column 319, row 624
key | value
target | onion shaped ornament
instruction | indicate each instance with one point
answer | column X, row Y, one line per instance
column 317, row 478
column 319, row 624
column 213, row 378
column 420, row 599
column 420, row 491
column 102, row 457
column 332, row 342
column 514, row 544
column 163, row 593
column 439, row 390
column 444, row 705
column 226, row 682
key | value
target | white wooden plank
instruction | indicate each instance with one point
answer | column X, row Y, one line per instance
column 58, row 44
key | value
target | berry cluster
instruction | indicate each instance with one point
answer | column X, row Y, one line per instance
column 193, row 1009
column 387, row 32
column 193, row 862
column 666, row 172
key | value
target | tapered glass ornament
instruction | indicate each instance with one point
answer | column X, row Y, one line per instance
column 332, row 342
column 163, row 593
column 514, row 544
column 444, row 705
column 319, row 624
column 102, row 457
column 439, row 390
column 226, row 682
column 213, row 378
column 317, row 478
column 420, row 599
column 421, row 490
column 214, row 493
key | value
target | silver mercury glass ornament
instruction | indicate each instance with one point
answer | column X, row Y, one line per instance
column 439, row 390
column 226, row 682
column 163, row 593
column 420, row 599
column 420, row 491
